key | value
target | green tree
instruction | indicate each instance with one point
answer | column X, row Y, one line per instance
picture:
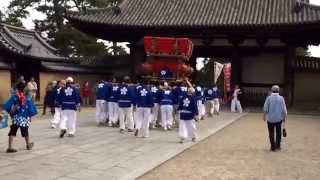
column 60, row 34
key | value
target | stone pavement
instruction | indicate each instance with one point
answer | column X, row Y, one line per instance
column 242, row 152
column 96, row 152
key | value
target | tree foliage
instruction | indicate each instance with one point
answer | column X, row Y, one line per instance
column 58, row 31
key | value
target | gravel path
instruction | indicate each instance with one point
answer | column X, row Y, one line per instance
column 241, row 152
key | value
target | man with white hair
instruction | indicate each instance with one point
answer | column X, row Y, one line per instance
column 70, row 102
column 275, row 112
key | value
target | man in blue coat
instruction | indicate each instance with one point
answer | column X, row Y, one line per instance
column 181, row 91
column 275, row 113
column 144, row 103
column 113, row 108
column 125, row 97
column 155, row 110
column 58, row 112
column 70, row 102
column 199, row 95
column 166, row 106
column 188, row 111
column 102, row 94
column 211, row 97
column 21, row 109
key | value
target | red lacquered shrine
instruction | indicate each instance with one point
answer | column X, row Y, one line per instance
column 165, row 53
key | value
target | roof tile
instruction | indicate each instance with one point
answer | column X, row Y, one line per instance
column 199, row 13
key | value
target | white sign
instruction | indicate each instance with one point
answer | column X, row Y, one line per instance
column 218, row 67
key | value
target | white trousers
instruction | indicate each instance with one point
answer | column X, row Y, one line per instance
column 187, row 129
column 236, row 105
column 155, row 113
column 113, row 112
column 216, row 105
column 142, row 119
column 69, row 121
column 166, row 115
column 209, row 107
column 57, row 117
column 126, row 117
column 201, row 108
column 101, row 111
column 176, row 115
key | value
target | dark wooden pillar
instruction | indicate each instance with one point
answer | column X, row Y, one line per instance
column 236, row 73
column 289, row 74
column 193, row 64
column 137, row 56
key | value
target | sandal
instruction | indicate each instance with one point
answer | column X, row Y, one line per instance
column 62, row 133
column 11, row 150
column 136, row 133
column 30, row 146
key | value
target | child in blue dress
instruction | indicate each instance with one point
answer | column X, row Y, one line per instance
column 21, row 108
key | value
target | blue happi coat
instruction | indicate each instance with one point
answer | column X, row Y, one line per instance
column 211, row 93
column 199, row 94
column 144, row 97
column 24, row 112
column 166, row 97
column 183, row 91
column 69, row 98
column 155, row 91
column 103, row 91
column 113, row 93
column 188, row 108
column 56, row 96
column 126, row 96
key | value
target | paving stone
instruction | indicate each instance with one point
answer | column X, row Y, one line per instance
column 95, row 153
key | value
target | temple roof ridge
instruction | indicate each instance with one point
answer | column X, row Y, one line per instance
column 27, row 43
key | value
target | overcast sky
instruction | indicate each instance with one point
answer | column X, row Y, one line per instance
column 315, row 51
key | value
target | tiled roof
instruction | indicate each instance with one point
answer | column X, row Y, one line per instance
column 305, row 63
column 202, row 14
column 106, row 61
column 69, row 67
column 27, row 43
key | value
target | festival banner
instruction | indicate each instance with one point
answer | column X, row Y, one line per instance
column 227, row 80
column 218, row 67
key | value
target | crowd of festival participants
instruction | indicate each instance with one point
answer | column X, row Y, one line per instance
column 132, row 107
column 138, row 107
